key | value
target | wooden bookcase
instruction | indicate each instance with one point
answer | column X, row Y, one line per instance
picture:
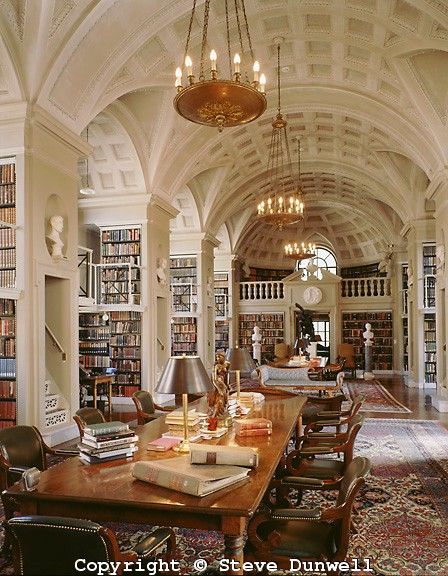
column 112, row 340
column 429, row 275
column 120, row 271
column 7, row 223
column 125, row 351
column 353, row 326
column 272, row 326
column 184, row 284
column 404, row 315
column 429, row 327
column 221, row 296
column 184, row 335
column 8, row 385
column 94, row 338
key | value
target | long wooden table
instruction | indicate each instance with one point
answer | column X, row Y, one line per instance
column 108, row 492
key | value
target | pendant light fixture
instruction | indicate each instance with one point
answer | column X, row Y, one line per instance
column 281, row 203
column 218, row 101
column 87, row 190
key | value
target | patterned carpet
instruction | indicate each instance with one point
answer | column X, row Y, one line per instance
column 402, row 511
column 378, row 398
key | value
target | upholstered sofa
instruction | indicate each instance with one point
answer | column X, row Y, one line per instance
column 272, row 376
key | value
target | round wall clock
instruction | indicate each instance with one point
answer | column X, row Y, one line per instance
column 312, row 295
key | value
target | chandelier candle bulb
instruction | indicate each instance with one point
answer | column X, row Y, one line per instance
column 178, row 78
column 256, row 71
column 189, row 65
column 262, row 83
column 213, row 58
column 237, row 62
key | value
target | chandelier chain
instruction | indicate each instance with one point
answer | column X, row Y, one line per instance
column 237, row 13
column 278, row 78
column 190, row 26
column 204, row 38
column 228, row 39
column 247, row 32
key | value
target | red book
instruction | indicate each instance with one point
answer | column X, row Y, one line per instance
column 252, row 424
column 255, row 432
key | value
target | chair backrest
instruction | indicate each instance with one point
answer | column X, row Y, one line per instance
column 357, row 403
column 347, row 351
column 143, row 402
column 354, row 478
column 281, row 351
column 53, row 545
column 354, row 427
column 86, row 416
column 23, row 446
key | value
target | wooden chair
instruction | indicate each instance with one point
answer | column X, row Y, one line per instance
column 85, row 416
column 347, row 351
column 146, row 407
column 308, row 533
column 53, row 545
column 21, row 448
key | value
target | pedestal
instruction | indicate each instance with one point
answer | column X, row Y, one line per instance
column 368, row 374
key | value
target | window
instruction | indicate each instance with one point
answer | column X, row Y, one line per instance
column 323, row 259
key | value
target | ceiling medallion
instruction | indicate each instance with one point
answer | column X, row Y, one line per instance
column 221, row 102
column 281, row 203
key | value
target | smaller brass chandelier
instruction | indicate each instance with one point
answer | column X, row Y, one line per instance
column 221, row 102
column 300, row 251
column 282, row 202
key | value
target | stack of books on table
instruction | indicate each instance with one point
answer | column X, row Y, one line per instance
column 107, row 441
column 249, row 399
column 253, row 427
column 175, row 421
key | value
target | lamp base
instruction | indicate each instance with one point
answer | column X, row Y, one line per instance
column 183, row 448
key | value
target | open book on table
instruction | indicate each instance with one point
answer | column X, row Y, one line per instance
column 196, row 479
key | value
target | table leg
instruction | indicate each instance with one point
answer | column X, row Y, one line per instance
column 234, row 536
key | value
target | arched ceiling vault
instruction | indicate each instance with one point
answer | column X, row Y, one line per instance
column 364, row 87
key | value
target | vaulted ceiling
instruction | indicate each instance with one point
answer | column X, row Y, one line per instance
column 364, row 88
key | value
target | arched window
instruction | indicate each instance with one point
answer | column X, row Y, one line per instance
column 323, row 259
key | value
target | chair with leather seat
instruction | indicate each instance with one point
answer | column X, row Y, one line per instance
column 347, row 351
column 146, row 407
column 53, row 545
column 315, row 427
column 311, row 534
column 86, row 416
column 21, row 448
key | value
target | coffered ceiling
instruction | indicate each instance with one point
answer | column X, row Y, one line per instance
column 364, row 87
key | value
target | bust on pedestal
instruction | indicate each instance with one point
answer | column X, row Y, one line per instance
column 368, row 337
column 256, row 344
column 54, row 237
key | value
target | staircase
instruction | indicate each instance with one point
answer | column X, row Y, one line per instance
column 55, row 404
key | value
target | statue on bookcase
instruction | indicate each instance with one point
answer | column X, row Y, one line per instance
column 161, row 271
column 218, row 398
column 384, row 267
column 256, row 344
column 56, row 223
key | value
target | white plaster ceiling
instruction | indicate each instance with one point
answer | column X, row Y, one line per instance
column 364, row 87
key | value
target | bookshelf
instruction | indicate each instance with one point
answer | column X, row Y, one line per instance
column 7, row 223
column 112, row 340
column 7, row 362
column 366, row 271
column 404, row 315
column 272, row 326
column 120, row 271
column 430, row 364
column 429, row 275
column 265, row 275
column 184, row 335
column 353, row 326
column 125, row 351
column 221, row 295
column 184, row 284
column 94, row 337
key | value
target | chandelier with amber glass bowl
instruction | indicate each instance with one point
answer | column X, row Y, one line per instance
column 216, row 101
column 281, row 203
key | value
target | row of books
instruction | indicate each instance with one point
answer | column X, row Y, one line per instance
column 97, row 333
column 92, row 361
column 7, row 389
column 128, row 379
column 8, row 194
column 127, row 365
column 8, row 215
column 7, row 278
column 114, row 259
column 184, row 337
column 120, row 352
column 7, row 347
column 96, row 347
column 7, row 237
column 107, row 441
column 121, row 235
column 7, row 367
column 8, row 409
column 92, row 320
column 131, row 249
column 179, row 328
column 186, row 262
column 7, row 173
column 129, row 326
column 7, row 326
column 121, row 298
column 120, row 273
column 125, row 340
column 7, row 307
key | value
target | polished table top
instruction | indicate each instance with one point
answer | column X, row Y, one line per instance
column 71, row 485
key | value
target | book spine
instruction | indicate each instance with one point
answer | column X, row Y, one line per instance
column 252, row 425
column 255, row 432
column 106, row 430
column 166, row 478
column 108, row 453
column 102, row 449
column 211, row 457
column 108, row 443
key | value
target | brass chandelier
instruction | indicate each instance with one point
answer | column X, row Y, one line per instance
column 217, row 101
column 282, row 202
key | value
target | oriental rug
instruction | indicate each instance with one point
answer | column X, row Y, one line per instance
column 377, row 397
column 402, row 512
